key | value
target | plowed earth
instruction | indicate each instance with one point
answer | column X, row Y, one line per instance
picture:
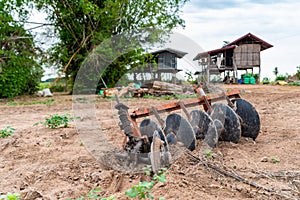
column 43, row 163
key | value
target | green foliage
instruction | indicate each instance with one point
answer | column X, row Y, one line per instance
column 294, row 83
column 143, row 189
column 148, row 96
column 81, row 25
column 57, row 88
column 43, row 85
column 280, row 78
column 56, row 121
column 169, row 97
column 94, row 194
column 265, row 80
column 208, row 153
column 298, row 72
column 256, row 76
column 10, row 196
column 45, row 102
column 20, row 73
column 6, row 132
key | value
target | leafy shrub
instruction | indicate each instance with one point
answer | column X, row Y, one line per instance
column 6, row 132
column 56, row 121
column 280, row 78
column 44, row 85
column 265, row 80
column 57, row 88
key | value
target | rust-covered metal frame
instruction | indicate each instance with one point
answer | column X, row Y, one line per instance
column 176, row 105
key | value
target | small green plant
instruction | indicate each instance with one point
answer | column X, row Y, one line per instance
column 208, row 153
column 56, row 121
column 94, row 194
column 143, row 189
column 6, row 132
column 48, row 144
column 148, row 96
column 265, row 80
column 10, row 196
column 274, row 159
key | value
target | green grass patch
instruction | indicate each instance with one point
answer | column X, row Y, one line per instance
column 43, row 102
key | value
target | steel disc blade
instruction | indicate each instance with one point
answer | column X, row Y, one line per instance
column 230, row 121
column 204, row 127
column 250, row 118
column 147, row 128
column 179, row 127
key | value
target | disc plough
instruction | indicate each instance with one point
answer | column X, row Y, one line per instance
column 150, row 142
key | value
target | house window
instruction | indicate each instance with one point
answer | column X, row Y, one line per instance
column 166, row 61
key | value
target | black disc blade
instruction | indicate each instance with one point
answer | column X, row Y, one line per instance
column 151, row 129
column 250, row 118
column 181, row 129
column 204, row 127
column 147, row 128
column 230, row 121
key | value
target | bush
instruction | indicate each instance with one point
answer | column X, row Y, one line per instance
column 280, row 78
column 21, row 80
column 57, row 88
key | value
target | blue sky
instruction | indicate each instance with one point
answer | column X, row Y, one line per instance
column 210, row 22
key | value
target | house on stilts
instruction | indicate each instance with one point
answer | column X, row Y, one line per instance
column 241, row 54
column 162, row 68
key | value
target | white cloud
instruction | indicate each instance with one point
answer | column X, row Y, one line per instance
column 275, row 22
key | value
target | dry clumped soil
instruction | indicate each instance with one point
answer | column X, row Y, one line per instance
column 43, row 163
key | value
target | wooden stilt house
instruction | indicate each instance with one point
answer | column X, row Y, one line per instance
column 241, row 54
column 164, row 68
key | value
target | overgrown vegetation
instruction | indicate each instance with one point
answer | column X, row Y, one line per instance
column 6, row 132
column 57, row 121
column 20, row 71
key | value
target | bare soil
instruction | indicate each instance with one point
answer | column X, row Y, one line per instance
column 43, row 163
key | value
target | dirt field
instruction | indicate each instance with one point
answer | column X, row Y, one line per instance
column 43, row 163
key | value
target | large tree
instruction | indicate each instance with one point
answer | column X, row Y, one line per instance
column 81, row 25
column 20, row 72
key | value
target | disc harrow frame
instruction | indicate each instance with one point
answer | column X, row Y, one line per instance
column 218, row 121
